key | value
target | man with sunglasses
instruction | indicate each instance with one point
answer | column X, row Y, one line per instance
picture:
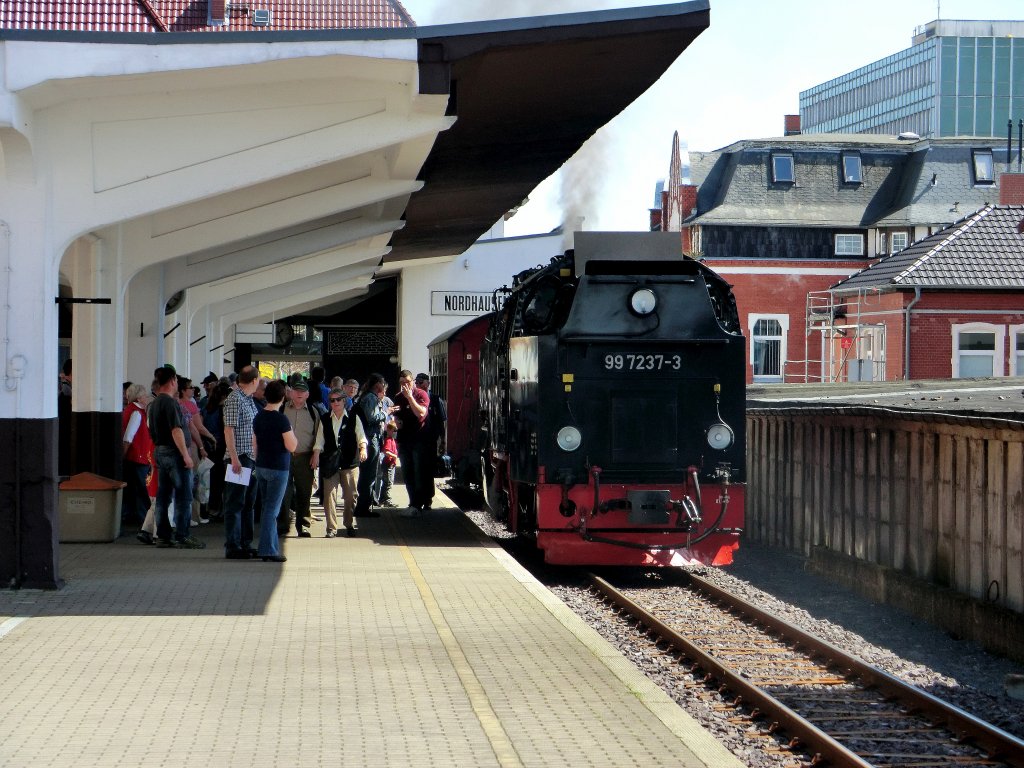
column 344, row 448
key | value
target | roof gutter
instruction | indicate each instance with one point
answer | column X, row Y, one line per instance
column 906, row 333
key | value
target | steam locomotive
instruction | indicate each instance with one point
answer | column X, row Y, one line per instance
column 610, row 410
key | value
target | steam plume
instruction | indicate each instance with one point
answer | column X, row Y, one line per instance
column 581, row 182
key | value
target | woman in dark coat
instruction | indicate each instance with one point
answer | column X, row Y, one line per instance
column 369, row 409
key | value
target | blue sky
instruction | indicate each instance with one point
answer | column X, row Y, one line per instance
column 736, row 81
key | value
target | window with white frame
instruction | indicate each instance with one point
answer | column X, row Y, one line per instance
column 984, row 167
column 899, row 241
column 849, row 245
column 768, row 346
column 1017, row 350
column 978, row 350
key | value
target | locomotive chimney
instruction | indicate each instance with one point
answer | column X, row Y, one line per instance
column 569, row 229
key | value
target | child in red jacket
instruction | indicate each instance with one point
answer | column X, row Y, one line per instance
column 388, row 460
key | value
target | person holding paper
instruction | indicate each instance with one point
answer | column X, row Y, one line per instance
column 239, row 496
column 275, row 442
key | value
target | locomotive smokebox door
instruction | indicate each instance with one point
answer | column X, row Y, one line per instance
column 648, row 507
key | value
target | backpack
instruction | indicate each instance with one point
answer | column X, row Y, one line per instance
column 437, row 415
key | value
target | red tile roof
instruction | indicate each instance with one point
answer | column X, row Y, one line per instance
column 191, row 15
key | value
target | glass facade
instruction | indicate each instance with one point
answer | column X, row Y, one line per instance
column 943, row 86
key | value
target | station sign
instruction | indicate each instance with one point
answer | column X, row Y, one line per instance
column 254, row 333
column 465, row 303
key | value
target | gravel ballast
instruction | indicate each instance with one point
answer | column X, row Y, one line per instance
column 953, row 670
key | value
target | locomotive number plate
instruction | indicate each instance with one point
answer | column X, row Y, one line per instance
column 659, row 362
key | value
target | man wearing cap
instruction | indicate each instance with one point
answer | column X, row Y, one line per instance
column 305, row 421
column 208, row 384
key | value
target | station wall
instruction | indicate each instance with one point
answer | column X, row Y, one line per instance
column 436, row 298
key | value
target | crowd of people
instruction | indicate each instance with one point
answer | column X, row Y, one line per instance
column 251, row 449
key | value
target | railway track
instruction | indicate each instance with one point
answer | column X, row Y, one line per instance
column 830, row 705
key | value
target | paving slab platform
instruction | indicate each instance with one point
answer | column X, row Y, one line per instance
column 417, row 643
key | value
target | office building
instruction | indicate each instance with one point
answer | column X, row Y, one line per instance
column 958, row 78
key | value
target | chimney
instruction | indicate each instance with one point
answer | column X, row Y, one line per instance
column 687, row 201
column 791, row 125
column 216, row 12
column 1011, row 189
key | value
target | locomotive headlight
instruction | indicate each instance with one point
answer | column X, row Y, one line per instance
column 569, row 439
column 643, row 301
column 720, row 436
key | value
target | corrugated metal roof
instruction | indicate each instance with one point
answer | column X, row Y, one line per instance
column 982, row 251
column 191, row 15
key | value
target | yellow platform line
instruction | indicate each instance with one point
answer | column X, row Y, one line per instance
column 500, row 742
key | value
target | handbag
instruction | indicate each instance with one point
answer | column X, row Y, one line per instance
column 443, row 466
column 330, row 463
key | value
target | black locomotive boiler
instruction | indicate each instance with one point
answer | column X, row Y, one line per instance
column 612, row 393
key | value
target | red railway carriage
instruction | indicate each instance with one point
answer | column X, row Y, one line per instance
column 611, row 406
column 455, row 375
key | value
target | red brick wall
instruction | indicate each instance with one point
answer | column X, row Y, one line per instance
column 931, row 335
column 777, row 293
column 932, row 319
column 1011, row 189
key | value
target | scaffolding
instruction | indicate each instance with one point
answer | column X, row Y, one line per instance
column 851, row 349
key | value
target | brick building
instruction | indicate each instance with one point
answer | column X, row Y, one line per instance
column 960, row 292
column 784, row 219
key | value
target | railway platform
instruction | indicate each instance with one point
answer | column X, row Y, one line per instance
column 417, row 643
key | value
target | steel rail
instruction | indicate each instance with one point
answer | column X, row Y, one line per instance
column 820, row 744
column 997, row 743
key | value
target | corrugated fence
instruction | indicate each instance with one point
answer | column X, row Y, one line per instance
column 936, row 496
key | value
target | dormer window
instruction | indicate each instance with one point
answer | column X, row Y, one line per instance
column 984, row 167
column 783, row 168
column 852, row 171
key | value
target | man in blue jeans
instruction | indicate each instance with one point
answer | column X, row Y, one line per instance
column 239, row 412
column 173, row 463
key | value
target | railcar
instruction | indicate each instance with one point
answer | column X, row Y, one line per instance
column 612, row 400
column 455, row 375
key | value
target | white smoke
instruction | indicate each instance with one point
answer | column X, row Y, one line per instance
column 581, row 182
